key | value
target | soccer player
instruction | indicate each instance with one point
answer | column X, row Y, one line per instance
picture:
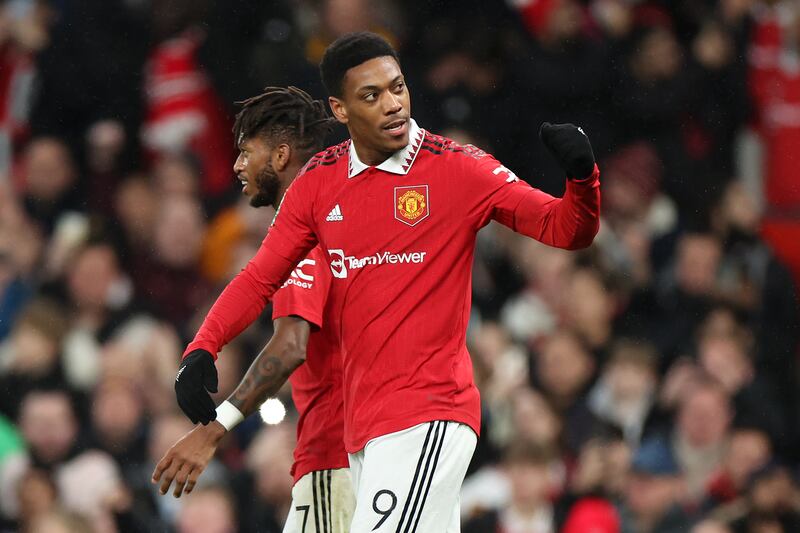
column 397, row 209
column 277, row 132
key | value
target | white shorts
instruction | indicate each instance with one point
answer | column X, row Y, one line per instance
column 410, row 481
column 322, row 502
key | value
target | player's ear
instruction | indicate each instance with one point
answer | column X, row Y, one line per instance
column 281, row 156
column 338, row 109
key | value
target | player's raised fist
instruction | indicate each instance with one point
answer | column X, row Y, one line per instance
column 571, row 148
column 196, row 377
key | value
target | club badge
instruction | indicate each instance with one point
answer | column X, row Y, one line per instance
column 411, row 204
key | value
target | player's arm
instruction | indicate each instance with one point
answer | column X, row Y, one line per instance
column 569, row 222
column 282, row 355
column 186, row 459
column 296, row 310
column 288, row 241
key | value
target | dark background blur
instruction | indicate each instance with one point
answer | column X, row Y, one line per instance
column 648, row 384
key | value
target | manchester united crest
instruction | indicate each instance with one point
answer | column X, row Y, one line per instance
column 411, row 204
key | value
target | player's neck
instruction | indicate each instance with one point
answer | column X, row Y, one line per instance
column 286, row 177
column 369, row 156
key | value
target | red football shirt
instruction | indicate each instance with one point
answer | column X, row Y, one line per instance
column 317, row 383
column 400, row 239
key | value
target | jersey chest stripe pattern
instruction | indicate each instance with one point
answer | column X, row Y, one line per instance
column 438, row 148
column 432, row 140
column 435, row 151
column 327, row 157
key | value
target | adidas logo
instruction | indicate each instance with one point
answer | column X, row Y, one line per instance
column 335, row 215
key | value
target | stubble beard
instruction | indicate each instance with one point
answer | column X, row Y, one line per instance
column 267, row 185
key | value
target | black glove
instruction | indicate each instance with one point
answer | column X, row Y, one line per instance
column 196, row 377
column 571, row 148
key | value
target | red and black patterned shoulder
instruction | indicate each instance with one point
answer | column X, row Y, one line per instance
column 329, row 156
column 437, row 145
column 473, row 151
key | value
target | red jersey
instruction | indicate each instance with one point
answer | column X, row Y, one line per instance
column 400, row 239
column 317, row 383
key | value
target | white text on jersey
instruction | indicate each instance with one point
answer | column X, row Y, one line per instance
column 340, row 263
column 511, row 176
column 300, row 278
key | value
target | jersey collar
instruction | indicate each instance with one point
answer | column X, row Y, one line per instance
column 400, row 162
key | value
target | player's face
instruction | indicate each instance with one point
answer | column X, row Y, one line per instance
column 375, row 106
column 254, row 169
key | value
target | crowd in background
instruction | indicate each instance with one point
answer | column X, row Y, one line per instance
column 645, row 385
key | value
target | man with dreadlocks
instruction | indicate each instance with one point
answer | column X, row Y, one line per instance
column 276, row 132
column 398, row 209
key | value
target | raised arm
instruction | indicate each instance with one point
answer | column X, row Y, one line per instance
column 570, row 222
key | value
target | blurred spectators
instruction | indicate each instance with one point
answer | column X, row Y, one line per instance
column 30, row 358
column 654, row 492
column 173, row 283
column 529, row 471
column 770, row 504
column 208, row 510
column 750, row 450
column 564, row 368
column 710, row 526
column 625, row 393
column 265, row 492
column 60, row 522
column 701, row 436
column 647, row 384
column 55, row 464
column 49, row 182
column 118, row 423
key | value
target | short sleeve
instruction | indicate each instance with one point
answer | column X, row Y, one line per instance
column 305, row 293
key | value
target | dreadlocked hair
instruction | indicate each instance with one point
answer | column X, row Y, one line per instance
column 284, row 114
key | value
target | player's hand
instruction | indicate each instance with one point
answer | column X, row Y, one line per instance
column 187, row 459
column 196, row 378
column 571, row 148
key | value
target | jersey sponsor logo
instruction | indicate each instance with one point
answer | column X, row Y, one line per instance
column 511, row 177
column 335, row 215
column 411, row 204
column 341, row 264
column 299, row 278
column 338, row 267
column 297, row 283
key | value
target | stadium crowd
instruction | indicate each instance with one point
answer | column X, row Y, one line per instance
column 645, row 385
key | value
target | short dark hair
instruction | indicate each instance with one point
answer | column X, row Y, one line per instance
column 348, row 51
column 284, row 114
